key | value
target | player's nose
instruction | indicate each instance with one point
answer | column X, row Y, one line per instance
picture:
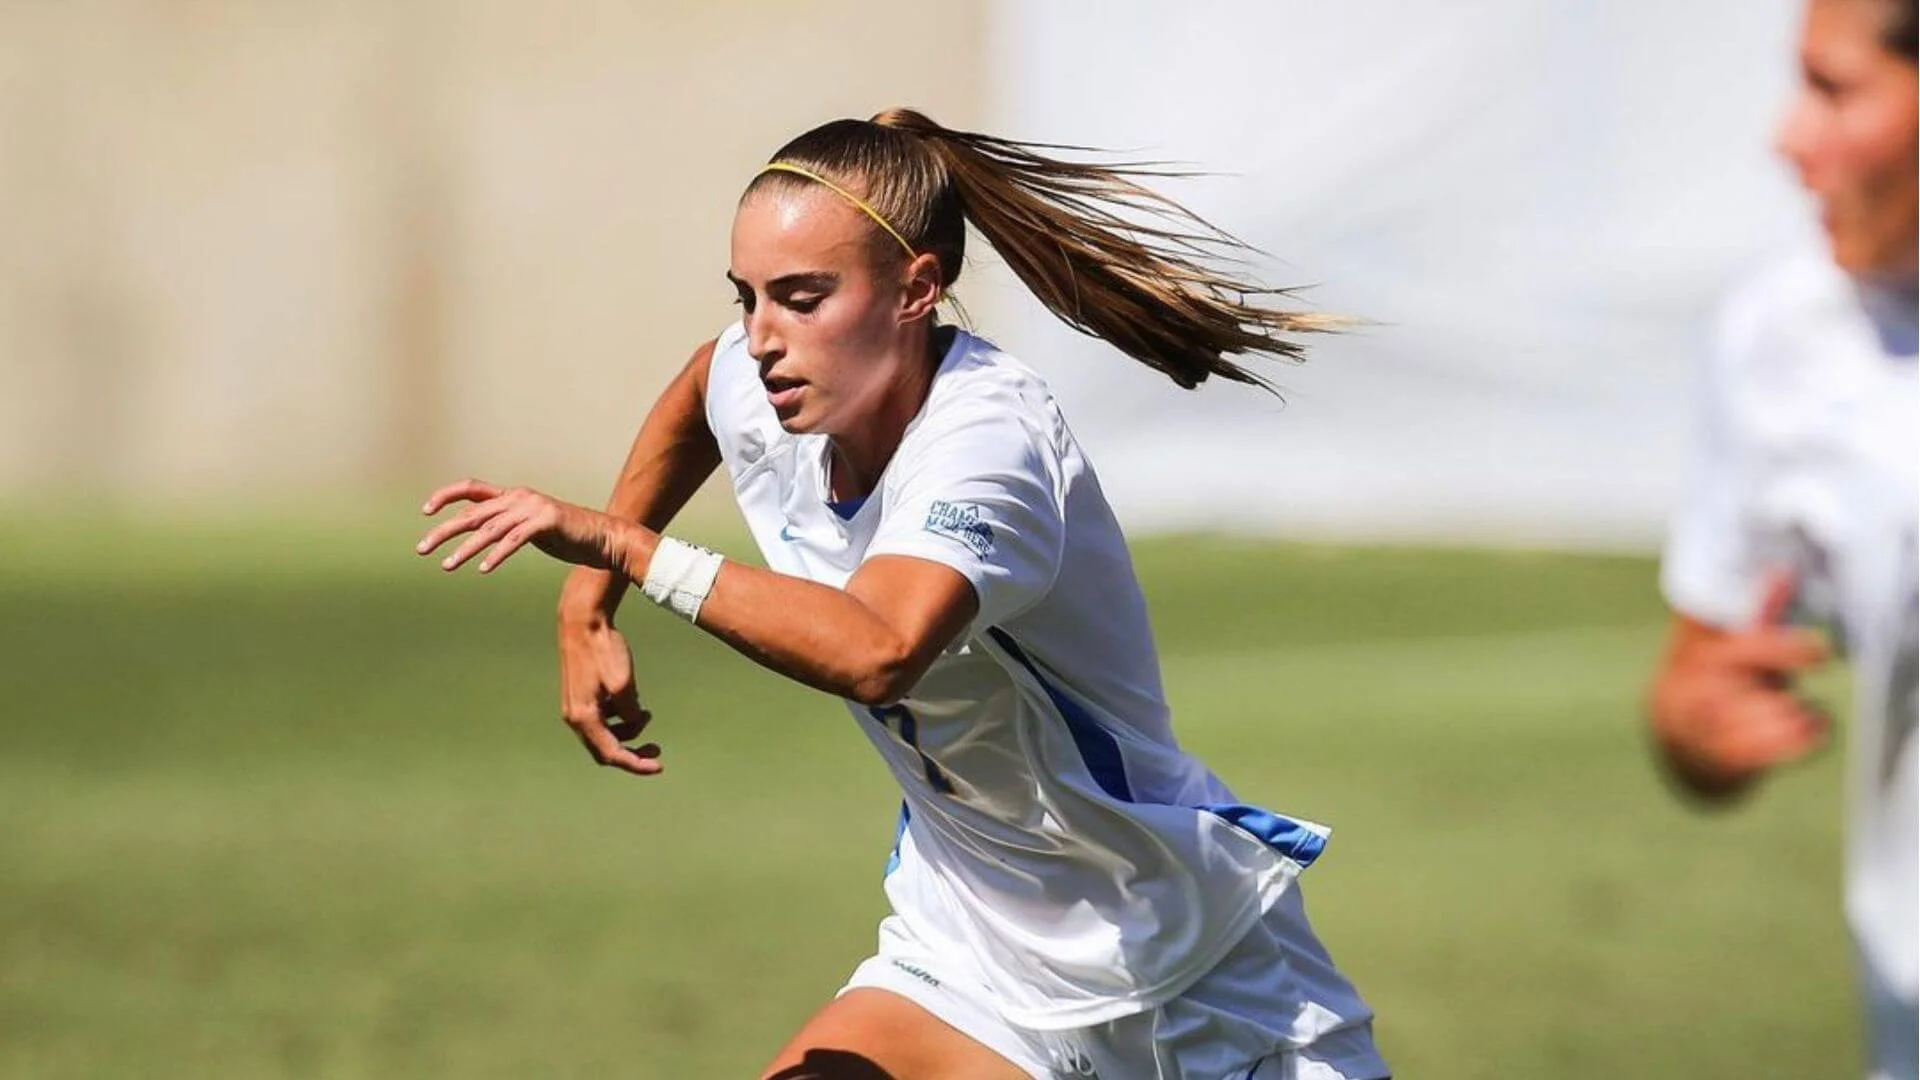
column 1796, row 136
column 763, row 342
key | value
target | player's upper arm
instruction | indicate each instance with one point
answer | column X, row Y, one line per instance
column 699, row 369
column 926, row 606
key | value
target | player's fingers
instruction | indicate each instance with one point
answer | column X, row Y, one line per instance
column 513, row 541
column 469, row 489
column 1774, row 733
column 606, row 750
column 640, row 761
column 628, row 717
column 1776, row 598
column 626, row 730
column 1758, row 753
column 499, row 525
column 1778, row 649
column 465, row 521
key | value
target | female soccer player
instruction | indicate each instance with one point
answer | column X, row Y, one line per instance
column 1072, row 893
column 1804, row 507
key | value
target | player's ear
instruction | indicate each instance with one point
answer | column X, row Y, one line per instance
column 923, row 287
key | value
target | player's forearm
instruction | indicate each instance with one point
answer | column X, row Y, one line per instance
column 672, row 455
column 809, row 632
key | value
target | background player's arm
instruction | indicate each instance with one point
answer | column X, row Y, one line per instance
column 1722, row 709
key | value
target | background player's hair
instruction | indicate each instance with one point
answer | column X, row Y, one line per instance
column 1900, row 27
column 1109, row 257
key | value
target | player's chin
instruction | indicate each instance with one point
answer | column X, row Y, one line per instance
column 797, row 419
column 1846, row 250
column 1855, row 244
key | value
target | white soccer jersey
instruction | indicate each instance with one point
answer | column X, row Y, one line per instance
column 1810, row 461
column 1052, row 829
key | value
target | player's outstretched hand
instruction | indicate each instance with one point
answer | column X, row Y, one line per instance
column 509, row 519
column 1723, row 708
column 596, row 660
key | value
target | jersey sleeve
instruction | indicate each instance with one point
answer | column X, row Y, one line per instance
column 982, row 495
column 1710, row 569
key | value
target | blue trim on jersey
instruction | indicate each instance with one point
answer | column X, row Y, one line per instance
column 893, row 860
column 1282, row 834
column 1101, row 751
column 846, row 508
column 1098, row 748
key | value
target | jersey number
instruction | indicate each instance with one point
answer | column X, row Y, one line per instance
column 897, row 718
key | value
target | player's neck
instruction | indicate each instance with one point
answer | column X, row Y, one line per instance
column 856, row 459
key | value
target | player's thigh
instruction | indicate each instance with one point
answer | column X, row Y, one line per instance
column 872, row 1034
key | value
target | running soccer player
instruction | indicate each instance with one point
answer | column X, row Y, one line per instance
column 1072, row 894
column 1803, row 507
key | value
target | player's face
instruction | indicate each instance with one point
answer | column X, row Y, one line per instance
column 821, row 317
column 1850, row 134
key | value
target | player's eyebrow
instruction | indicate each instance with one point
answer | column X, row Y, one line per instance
column 808, row 280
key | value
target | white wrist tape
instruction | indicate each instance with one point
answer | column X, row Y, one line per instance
column 680, row 576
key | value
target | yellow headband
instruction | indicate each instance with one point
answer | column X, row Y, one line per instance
column 857, row 201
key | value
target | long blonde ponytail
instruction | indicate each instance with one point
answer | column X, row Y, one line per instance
column 1108, row 256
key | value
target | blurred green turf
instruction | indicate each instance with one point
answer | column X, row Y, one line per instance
column 286, row 804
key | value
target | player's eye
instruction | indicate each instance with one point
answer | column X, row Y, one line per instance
column 1822, row 83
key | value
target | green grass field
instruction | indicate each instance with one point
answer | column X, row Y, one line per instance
column 298, row 806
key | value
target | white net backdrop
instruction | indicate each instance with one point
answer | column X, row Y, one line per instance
column 1536, row 206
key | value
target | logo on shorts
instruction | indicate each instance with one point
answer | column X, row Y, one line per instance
column 961, row 522
column 917, row 972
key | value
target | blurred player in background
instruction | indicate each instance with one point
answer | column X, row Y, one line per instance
column 1072, row 893
column 1803, row 508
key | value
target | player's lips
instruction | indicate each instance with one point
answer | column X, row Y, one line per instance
column 783, row 393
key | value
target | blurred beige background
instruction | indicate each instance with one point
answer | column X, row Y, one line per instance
column 308, row 258
column 303, row 253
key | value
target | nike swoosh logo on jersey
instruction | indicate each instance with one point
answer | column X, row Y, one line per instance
column 786, row 533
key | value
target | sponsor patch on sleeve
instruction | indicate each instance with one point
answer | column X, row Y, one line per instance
column 961, row 522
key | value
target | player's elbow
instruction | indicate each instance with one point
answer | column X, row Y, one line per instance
column 879, row 689
column 885, row 676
